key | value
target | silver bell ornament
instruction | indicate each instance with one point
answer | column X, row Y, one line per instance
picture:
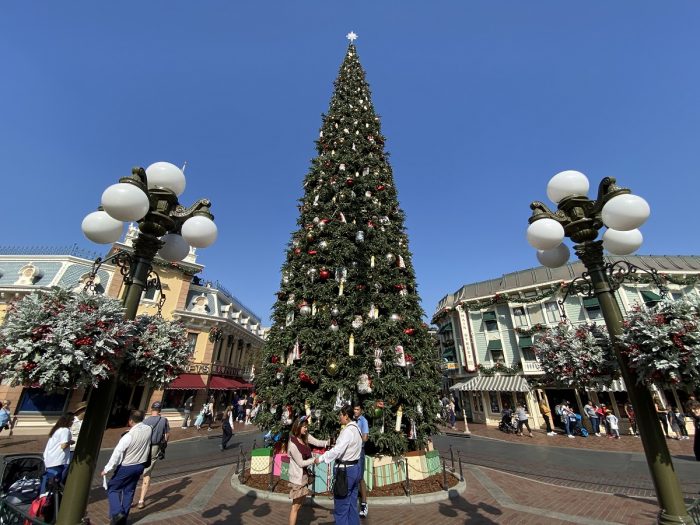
column 311, row 272
column 305, row 309
column 335, row 312
column 334, row 327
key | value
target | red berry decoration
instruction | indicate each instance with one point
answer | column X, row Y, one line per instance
column 324, row 274
column 409, row 331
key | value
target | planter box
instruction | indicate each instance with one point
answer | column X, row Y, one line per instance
column 417, row 465
column 388, row 470
column 261, row 461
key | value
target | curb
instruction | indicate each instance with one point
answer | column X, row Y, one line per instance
column 327, row 502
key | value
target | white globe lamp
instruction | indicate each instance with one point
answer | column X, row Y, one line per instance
column 175, row 248
column 567, row 184
column 625, row 212
column 555, row 257
column 199, row 231
column 166, row 175
column 125, row 202
column 622, row 242
column 545, row 234
column 101, row 228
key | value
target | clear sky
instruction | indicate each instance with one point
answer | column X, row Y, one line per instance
column 481, row 103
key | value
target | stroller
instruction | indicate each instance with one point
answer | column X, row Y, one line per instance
column 507, row 425
column 20, row 501
column 577, row 428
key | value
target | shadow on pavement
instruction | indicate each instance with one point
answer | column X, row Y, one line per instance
column 473, row 514
column 227, row 514
column 159, row 500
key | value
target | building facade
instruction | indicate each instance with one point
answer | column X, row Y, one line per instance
column 486, row 332
column 226, row 337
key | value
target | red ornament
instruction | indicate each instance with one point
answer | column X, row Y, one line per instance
column 297, row 251
column 325, row 221
column 350, row 181
column 304, row 378
column 380, row 187
column 324, row 274
column 312, row 252
column 370, row 224
column 360, row 286
column 275, row 359
column 409, row 331
column 399, row 286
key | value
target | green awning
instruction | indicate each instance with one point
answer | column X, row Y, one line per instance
column 525, row 341
column 489, row 316
column 650, row 297
column 591, row 302
column 494, row 344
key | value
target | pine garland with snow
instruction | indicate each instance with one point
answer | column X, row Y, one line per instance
column 663, row 343
column 159, row 353
column 576, row 356
column 59, row 340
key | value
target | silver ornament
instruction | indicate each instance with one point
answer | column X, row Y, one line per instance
column 335, row 312
column 360, row 237
column 395, row 317
column 357, row 322
column 305, row 310
column 390, row 258
column 334, row 327
column 323, row 244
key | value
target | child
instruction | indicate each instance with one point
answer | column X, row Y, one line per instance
column 612, row 423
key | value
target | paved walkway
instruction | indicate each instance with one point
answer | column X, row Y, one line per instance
column 490, row 497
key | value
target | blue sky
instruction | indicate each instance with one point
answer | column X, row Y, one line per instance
column 481, row 103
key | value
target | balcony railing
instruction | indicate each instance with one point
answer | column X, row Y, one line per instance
column 531, row 368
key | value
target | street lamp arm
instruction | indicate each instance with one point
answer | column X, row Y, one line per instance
column 541, row 211
column 201, row 207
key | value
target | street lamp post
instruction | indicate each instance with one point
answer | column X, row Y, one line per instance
column 580, row 219
column 166, row 228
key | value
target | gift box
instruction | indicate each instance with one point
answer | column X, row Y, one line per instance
column 417, row 464
column 261, row 461
column 432, row 458
column 369, row 472
column 284, row 471
column 388, row 470
column 323, row 476
column 277, row 464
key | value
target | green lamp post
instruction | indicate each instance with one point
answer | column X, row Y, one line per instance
column 166, row 229
column 580, row 219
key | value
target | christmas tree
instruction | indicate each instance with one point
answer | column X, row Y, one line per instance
column 347, row 325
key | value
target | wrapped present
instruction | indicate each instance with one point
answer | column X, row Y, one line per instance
column 277, row 464
column 284, row 471
column 323, row 476
column 261, row 461
column 417, row 464
column 432, row 458
column 388, row 470
column 369, row 472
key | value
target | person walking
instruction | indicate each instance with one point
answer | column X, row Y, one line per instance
column 694, row 410
column 226, row 427
column 57, row 452
column 76, row 426
column 546, row 415
column 451, row 413
column 187, row 420
column 159, row 441
column 299, row 458
column 209, row 412
column 127, row 460
column 6, row 416
column 523, row 419
column 677, row 421
column 346, row 453
column 592, row 415
column 364, row 430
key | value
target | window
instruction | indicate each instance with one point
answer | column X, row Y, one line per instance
column 496, row 348
column 650, row 298
column 497, row 356
column 493, row 402
column 149, row 294
column 192, row 340
column 677, row 296
column 528, row 354
column 551, row 308
column 490, row 321
column 519, row 316
column 592, row 307
column 37, row 400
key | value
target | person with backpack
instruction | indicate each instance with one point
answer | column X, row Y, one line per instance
column 159, row 441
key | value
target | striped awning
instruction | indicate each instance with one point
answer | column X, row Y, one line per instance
column 496, row 384
column 458, row 386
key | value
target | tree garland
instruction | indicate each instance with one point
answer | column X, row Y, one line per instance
column 576, row 356
column 499, row 368
column 539, row 327
column 663, row 343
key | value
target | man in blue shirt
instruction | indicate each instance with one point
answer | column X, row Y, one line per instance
column 364, row 430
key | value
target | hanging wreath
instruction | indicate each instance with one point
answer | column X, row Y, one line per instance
column 57, row 340
column 159, row 352
column 576, row 356
column 663, row 343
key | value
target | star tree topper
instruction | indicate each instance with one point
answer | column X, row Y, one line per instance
column 351, row 36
